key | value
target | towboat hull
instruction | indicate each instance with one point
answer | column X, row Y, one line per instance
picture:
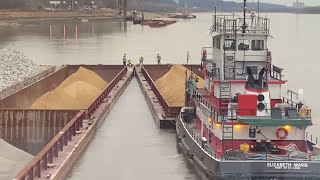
column 214, row 168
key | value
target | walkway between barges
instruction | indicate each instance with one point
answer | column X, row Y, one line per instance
column 128, row 145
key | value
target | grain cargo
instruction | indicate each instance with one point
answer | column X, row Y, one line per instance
column 78, row 91
column 172, row 85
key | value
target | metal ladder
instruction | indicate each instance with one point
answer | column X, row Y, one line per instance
column 227, row 132
column 225, row 94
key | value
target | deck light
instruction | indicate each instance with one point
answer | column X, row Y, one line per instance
column 218, row 125
column 288, row 128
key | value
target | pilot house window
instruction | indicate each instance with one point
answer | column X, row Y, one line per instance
column 257, row 45
column 229, row 44
column 243, row 44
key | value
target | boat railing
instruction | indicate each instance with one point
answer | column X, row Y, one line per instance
column 275, row 73
column 253, row 24
column 292, row 154
column 255, row 156
column 198, row 140
column 213, row 73
column 312, row 139
column 218, row 112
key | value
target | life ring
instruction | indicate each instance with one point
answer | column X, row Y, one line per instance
column 282, row 133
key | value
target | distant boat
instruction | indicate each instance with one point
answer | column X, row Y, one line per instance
column 84, row 20
column 184, row 16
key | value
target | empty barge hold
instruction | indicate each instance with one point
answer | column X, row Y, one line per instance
column 57, row 137
column 164, row 114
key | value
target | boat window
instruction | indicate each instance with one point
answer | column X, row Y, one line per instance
column 243, row 44
column 218, row 42
column 229, row 44
column 257, row 45
column 214, row 42
column 254, row 69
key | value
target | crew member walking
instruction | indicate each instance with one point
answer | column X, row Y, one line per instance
column 159, row 59
column 141, row 60
column 124, row 59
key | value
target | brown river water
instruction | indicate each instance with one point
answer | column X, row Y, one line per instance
column 128, row 145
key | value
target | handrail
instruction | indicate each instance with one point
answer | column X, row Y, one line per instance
column 94, row 105
column 169, row 111
column 33, row 169
column 197, row 139
column 255, row 24
column 249, row 156
column 51, row 150
column 216, row 111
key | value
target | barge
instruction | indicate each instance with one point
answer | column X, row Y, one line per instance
column 57, row 137
column 164, row 114
column 239, row 126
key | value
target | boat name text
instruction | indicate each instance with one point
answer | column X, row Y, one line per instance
column 287, row 165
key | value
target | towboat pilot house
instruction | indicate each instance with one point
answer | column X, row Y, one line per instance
column 241, row 108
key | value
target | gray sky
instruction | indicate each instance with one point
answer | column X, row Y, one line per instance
column 285, row 2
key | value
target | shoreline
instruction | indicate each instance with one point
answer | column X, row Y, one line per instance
column 14, row 18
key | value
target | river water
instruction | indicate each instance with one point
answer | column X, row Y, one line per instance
column 129, row 146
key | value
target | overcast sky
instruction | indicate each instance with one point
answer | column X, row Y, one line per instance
column 285, row 2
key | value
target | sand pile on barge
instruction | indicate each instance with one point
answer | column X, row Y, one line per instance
column 172, row 85
column 12, row 160
column 78, row 91
column 15, row 67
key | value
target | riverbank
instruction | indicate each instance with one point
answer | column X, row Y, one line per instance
column 16, row 18
column 21, row 15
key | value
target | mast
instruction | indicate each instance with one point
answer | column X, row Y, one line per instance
column 244, row 27
column 258, row 9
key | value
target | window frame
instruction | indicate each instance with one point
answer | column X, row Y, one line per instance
column 229, row 48
column 243, row 40
column 261, row 45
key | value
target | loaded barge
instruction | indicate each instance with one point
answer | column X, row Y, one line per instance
column 239, row 126
column 56, row 137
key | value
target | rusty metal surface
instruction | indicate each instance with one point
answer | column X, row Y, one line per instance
column 31, row 130
column 157, row 71
column 25, row 97
column 57, row 144
column 20, row 85
column 107, row 72
column 153, row 72
column 169, row 111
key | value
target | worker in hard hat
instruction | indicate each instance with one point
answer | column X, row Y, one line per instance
column 159, row 59
column 129, row 63
column 141, row 60
column 124, row 59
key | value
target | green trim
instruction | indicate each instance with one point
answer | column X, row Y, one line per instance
column 268, row 121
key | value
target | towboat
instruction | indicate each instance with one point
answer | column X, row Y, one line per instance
column 240, row 126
